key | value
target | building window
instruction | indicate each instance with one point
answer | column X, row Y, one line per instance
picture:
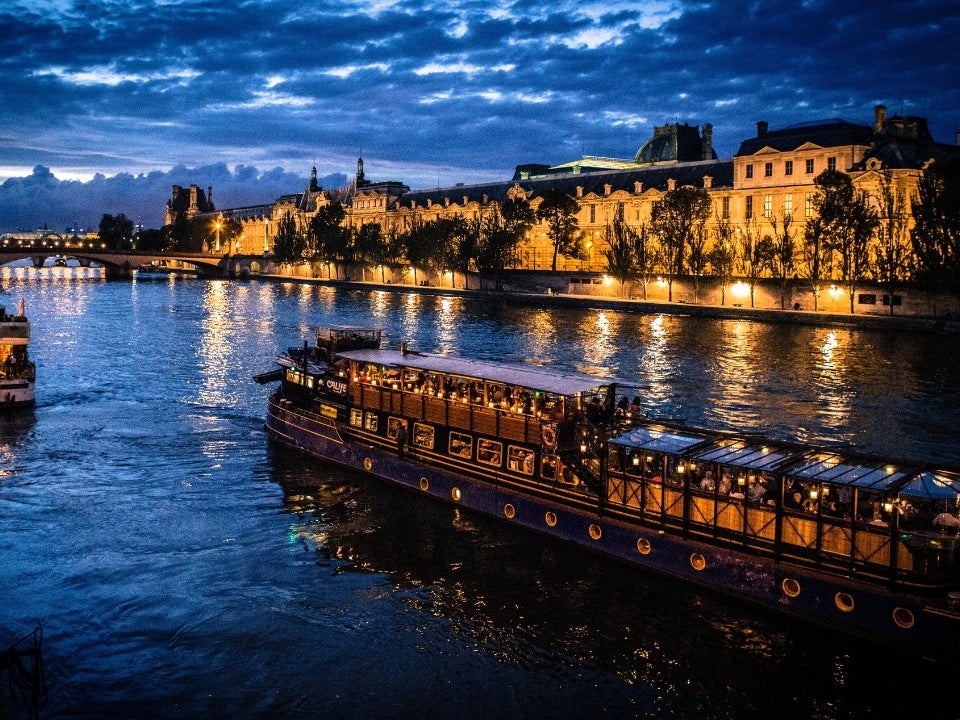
column 892, row 300
column 808, row 205
column 831, row 163
column 725, row 204
column 593, row 214
column 767, row 205
column 865, row 299
column 749, row 171
column 809, row 167
column 749, row 213
column 768, row 169
column 788, row 167
column 620, row 211
column 788, row 205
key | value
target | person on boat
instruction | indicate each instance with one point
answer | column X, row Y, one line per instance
column 708, row 484
column 755, row 490
column 401, row 440
column 724, row 486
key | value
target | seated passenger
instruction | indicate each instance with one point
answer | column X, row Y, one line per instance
column 724, row 486
column 755, row 490
column 946, row 522
column 708, row 484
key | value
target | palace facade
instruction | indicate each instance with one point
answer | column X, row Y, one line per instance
column 771, row 176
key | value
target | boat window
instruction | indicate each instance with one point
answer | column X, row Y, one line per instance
column 495, row 395
column 548, row 467
column 391, row 378
column 371, row 421
column 423, row 436
column 520, row 459
column 489, row 452
column 460, row 444
column 356, row 417
column 393, row 425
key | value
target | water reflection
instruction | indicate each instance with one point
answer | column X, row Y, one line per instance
column 583, row 633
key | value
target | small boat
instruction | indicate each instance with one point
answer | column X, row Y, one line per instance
column 863, row 545
column 17, row 372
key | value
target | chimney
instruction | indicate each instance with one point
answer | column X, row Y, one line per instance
column 193, row 197
column 879, row 118
column 761, row 128
column 210, row 196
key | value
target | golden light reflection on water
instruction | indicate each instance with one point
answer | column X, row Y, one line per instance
column 214, row 350
column 830, row 369
column 448, row 312
column 410, row 315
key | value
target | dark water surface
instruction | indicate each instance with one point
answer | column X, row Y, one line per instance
column 182, row 567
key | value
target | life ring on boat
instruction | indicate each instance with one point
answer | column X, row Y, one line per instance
column 548, row 433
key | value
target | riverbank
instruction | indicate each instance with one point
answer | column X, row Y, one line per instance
column 639, row 306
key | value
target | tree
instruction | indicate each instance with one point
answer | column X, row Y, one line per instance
column 327, row 241
column 368, row 245
column 150, row 240
column 288, row 243
column 936, row 233
column 893, row 251
column 854, row 242
column 722, row 254
column 781, row 257
column 848, row 222
column 116, row 232
column 621, row 251
column 559, row 211
column 678, row 219
column 500, row 231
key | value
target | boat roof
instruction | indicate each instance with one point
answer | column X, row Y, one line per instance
column 658, row 439
column 536, row 379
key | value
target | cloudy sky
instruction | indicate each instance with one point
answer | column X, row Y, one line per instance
column 115, row 100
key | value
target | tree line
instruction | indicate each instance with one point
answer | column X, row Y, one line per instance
column 850, row 238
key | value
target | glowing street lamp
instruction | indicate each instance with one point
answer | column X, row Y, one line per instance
column 217, row 225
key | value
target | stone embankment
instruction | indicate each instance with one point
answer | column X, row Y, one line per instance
column 944, row 324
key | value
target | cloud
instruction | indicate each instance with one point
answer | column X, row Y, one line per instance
column 443, row 92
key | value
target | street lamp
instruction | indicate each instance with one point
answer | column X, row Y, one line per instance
column 217, row 226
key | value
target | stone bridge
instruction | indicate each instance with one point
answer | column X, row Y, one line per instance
column 123, row 264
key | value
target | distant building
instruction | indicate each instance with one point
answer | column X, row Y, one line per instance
column 770, row 176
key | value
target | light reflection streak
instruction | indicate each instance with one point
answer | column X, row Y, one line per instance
column 446, row 336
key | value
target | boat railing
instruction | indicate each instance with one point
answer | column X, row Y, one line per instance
column 454, row 413
column 922, row 558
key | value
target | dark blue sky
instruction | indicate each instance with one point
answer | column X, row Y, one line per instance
column 432, row 92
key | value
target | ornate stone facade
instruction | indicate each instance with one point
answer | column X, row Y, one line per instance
column 770, row 176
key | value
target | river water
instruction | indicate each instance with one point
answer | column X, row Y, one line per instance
column 181, row 566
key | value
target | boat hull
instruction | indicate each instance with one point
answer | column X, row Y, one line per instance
column 16, row 395
column 909, row 622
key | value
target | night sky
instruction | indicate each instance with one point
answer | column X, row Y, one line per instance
column 115, row 100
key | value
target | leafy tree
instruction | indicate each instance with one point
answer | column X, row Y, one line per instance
column 816, row 256
column 500, row 232
column 327, row 240
column 289, row 242
column 419, row 247
column 150, row 240
column 893, row 251
column 936, row 232
column 722, row 254
column 781, row 254
column 854, row 243
column 678, row 219
column 620, row 253
column 647, row 254
column 559, row 211
column 368, row 245
column 848, row 223
column 116, row 232
column 231, row 229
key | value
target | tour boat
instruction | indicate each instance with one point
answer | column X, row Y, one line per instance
column 860, row 544
column 17, row 372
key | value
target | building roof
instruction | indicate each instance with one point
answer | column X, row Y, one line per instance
column 651, row 177
column 832, row 132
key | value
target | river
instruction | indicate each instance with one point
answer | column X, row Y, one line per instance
column 181, row 566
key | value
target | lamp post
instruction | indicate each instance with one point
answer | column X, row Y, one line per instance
column 217, row 226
